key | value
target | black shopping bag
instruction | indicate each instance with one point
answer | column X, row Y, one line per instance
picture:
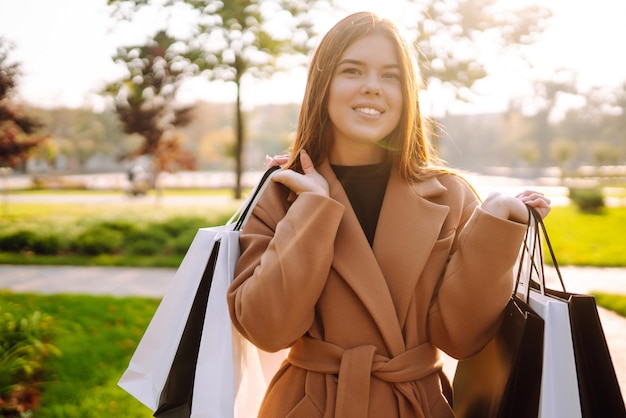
column 163, row 371
column 176, row 396
column 503, row 379
column 598, row 387
column 599, row 390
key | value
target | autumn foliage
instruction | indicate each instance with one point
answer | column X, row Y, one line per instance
column 17, row 129
column 144, row 102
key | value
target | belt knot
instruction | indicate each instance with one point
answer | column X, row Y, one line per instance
column 356, row 365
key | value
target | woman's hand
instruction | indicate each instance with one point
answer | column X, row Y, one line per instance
column 310, row 181
column 514, row 208
column 276, row 160
column 537, row 201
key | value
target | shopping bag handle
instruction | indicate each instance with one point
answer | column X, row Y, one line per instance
column 529, row 246
column 538, row 221
column 532, row 246
column 240, row 217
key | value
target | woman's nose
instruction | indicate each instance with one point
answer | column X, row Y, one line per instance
column 371, row 84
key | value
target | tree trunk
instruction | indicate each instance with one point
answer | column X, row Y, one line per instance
column 239, row 143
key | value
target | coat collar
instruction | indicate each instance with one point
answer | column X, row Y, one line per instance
column 384, row 277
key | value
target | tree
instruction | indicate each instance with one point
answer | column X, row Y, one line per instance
column 546, row 104
column 144, row 101
column 615, row 123
column 605, row 154
column 529, row 152
column 17, row 130
column 561, row 151
column 451, row 35
column 232, row 40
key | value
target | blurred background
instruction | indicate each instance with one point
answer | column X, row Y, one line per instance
column 126, row 125
column 132, row 89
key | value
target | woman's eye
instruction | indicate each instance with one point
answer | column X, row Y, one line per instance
column 392, row 76
column 350, row 70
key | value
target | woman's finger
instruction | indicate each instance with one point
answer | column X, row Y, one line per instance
column 276, row 160
column 306, row 163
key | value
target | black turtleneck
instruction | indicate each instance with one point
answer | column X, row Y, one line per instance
column 365, row 186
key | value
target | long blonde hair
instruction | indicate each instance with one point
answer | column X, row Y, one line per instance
column 407, row 145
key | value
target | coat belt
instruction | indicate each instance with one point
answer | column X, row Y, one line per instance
column 356, row 365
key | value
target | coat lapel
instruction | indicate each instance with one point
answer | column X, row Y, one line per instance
column 385, row 278
column 408, row 227
column 355, row 262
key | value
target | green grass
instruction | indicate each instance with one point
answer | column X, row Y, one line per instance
column 149, row 210
column 91, row 192
column 106, row 260
column 96, row 335
column 615, row 303
column 579, row 239
column 175, row 226
column 583, row 239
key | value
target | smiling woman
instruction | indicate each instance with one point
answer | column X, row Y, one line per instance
column 365, row 100
column 363, row 256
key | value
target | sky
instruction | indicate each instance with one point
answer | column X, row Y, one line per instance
column 64, row 48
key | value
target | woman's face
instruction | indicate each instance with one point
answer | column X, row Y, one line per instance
column 365, row 100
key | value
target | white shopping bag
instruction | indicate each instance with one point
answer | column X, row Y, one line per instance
column 559, row 396
column 230, row 374
column 150, row 364
column 230, row 370
column 559, row 383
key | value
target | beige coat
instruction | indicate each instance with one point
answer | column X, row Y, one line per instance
column 363, row 322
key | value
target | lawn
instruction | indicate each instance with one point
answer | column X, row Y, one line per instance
column 584, row 239
column 138, row 234
column 96, row 337
column 616, row 303
column 579, row 239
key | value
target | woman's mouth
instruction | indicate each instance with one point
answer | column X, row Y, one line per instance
column 368, row 111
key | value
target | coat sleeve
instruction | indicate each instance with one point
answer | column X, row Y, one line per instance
column 476, row 285
column 286, row 254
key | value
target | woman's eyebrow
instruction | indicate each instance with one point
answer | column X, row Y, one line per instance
column 358, row 62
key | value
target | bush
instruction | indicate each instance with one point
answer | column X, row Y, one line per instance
column 24, row 344
column 122, row 225
column 181, row 243
column 18, row 241
column 144, row 247
column 181, row 225
column 589, row 200
column 97, row 240
column 25, row 240
column 46, row 244
column 97, row 237
column 151, row 239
